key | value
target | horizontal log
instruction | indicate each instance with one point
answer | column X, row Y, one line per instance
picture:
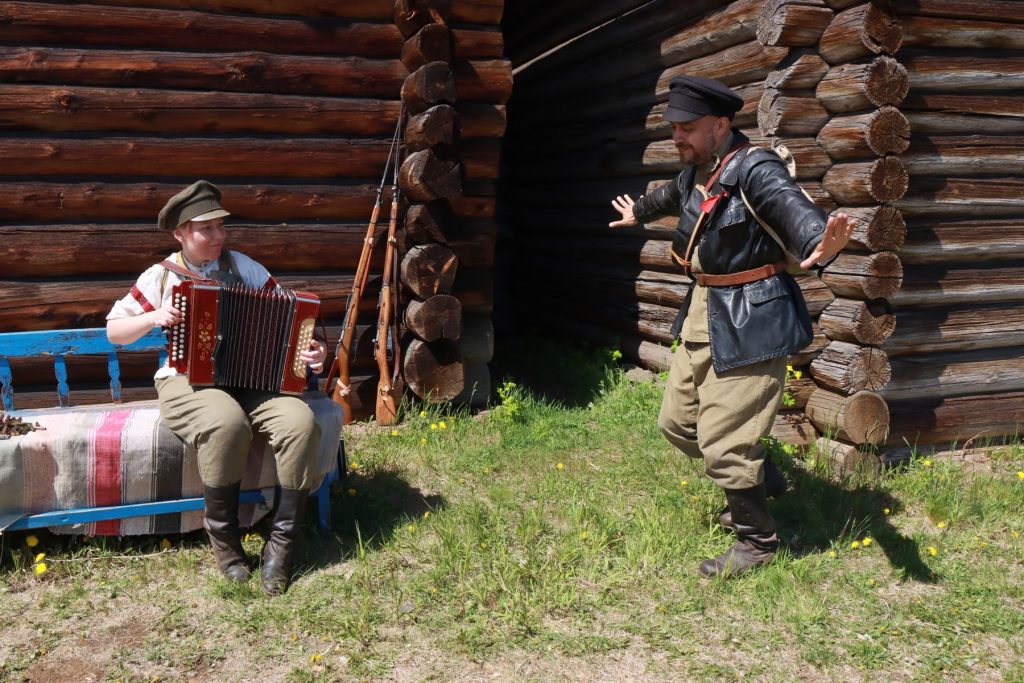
column 1002, row 10
column 864, row 276
column 800, row 70
column 945, row 32
column 82, row 24
column 793, row 427
column 877, row 133
column 861, row 418
column 954, row 73
column 483, row 80
column 431, row 43
column 960, row 328
column 811, row 160
column 934, row 197
column 846, row 459
column 878, row 228
column 852, row 87
column 882, row 180
column 800, row 389
column 793, row 23
column 948, row 286
column 946, row 123
column 944, row 375
column 957, row 418
column 807, row 354
column 941, row 241
column 848, row 368
column 816, row 293
column 859, row 32
column 433, row 371
column 796, row 114
column 858, row 322
column 958, row 155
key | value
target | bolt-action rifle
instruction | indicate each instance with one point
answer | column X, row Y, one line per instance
column 341, row 389
column 390, row 386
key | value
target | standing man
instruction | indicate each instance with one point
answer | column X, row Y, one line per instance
column 744, row 314
column 219, row 421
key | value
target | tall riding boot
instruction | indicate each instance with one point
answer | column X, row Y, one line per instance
column 775, row 485
column 277, row 553
column 756, row 541
column 221, row 523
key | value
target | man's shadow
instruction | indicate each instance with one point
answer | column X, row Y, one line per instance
column 819, row 510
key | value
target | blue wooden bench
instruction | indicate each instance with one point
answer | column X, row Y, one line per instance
column 62, row 343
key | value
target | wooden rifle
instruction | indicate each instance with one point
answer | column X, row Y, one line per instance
column 341, row 389
column 389, row 387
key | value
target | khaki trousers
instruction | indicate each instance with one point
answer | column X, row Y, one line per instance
column 721, row 418
column 219, row 424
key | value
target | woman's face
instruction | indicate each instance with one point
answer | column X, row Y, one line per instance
column 201, row 241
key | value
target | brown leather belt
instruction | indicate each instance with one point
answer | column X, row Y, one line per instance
column 740, row 278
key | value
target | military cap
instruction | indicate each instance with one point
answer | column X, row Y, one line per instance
column 691, row 97
column 200, row 201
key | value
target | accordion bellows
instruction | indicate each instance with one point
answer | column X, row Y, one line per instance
column 234, row 336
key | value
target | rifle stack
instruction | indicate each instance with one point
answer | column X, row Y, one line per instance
column 112, row 107
column 881, row 105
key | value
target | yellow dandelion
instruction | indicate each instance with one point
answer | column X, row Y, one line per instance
column 165, row 544
column 40, row 568
column 886, row 511
column 941, row 525
column 486, row 470
column 433, row 426
column 560, row 466
column 1020, row 475
column 442, row 425
column 583, row 536
column 927, row 463
column 694, row 499
column 483, row 546
column 423, row 413
column 855, row 545
column 462, row 480
column 295, row 637
column 866, row 542
column 789, row 368
column 426, row 515
column 831, row 553
column 423, row 440
column 40, row 557
column 411, row 528
column 1015, row 534
column 932, row 550
column 798, row 374
column 433, row 589
column 354, row 466
column 352, row 491
column 683, row 483
column 871, row 582
column 316, row 659
column 394, row 432
column 31, row 541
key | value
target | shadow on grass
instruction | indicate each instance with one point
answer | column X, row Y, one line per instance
column 563, row 372
column 819, row 513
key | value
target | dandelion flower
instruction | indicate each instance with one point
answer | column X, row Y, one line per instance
column 442, row 425
column 1020, row 475
column 411, row 528
column 165, row 544
column 886, row 512
column 798, row 374
column 933, row 551
column 560, row 466
column 927, row 463
column 867, row 541
column 426, row 515
column 831, row 553
column 483, row 546
column 486, row 470
column 1015, row 534
column 684, row 483
column 423, row 413
column 871, row 582
column 855, row 545
column 352, row 492
column 941, row 525
column 354, row 466
column 694, row 499
column 423, row 440
column 40, row 568
column 316, row 659
column 31, row 541
column 433, row 426
column 394, row 432
column 583, row 535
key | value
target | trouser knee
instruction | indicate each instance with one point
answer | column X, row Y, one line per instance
column 223, row 451
column 680, row 436
column 295, row 450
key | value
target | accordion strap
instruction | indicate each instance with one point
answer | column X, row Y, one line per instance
column 172, row 266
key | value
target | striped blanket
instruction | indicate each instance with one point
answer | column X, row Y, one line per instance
column 97, row 456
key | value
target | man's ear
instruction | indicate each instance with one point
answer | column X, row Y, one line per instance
column 178, row 235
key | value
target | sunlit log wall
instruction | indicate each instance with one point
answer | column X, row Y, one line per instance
column 289, row 107
column 877, row 104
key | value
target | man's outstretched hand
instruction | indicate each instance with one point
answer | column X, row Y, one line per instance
column 837, row 234
column 624, row 205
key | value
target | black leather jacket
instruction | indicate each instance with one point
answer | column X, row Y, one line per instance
column 763, row 319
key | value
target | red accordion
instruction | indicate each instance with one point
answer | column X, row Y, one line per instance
column 233, row 336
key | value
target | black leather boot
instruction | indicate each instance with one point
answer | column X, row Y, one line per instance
column 775, row 485
column 756, row 541
column 284, row 532
column 221, row 523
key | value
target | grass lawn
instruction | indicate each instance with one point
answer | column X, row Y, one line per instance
column 554, row 537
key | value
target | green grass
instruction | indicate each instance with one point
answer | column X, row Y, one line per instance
column 556, row 537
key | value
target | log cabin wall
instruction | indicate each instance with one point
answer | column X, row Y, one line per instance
column 108, row 109
column 880, row 106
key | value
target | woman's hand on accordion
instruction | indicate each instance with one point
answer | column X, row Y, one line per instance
column 166, row 316
column 315, row 356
